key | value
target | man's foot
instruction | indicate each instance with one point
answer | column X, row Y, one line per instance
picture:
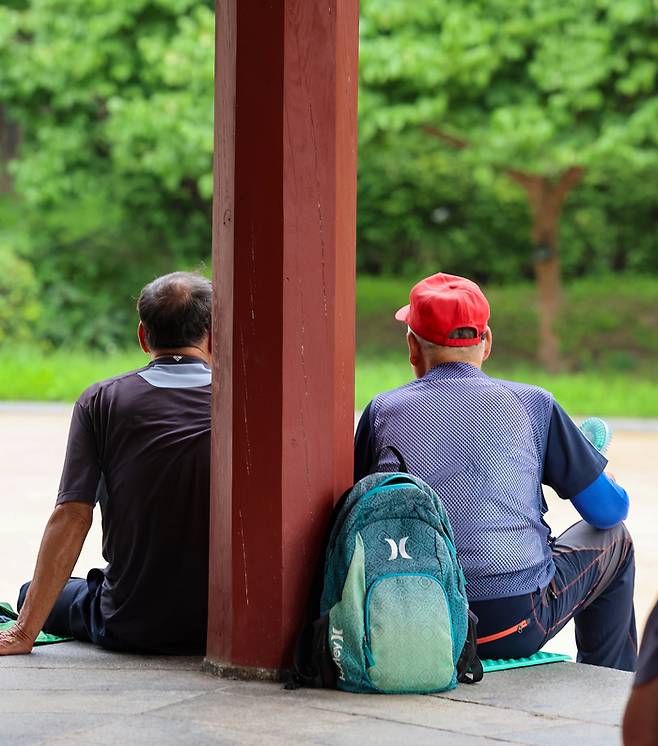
column 15, row 641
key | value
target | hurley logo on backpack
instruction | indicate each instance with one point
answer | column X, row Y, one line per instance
column 393, row 611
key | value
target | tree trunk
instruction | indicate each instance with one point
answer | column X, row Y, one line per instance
column 549, row 293
column 9, row 137
column 546, row 199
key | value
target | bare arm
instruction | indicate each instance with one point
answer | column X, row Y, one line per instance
column 62, row 542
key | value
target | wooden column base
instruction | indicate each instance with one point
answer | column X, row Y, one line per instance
column 242, row 673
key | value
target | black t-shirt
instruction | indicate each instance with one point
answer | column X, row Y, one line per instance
column 140, row 445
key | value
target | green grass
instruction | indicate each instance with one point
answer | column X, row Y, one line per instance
column 32, row 375
column 606, row 394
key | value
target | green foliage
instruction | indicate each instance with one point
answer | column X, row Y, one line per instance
column 32, row 374
column 606, row 331
column 19, row 305
column 537, row 85
column 112, row 181
column 420, row 210
column 602, row 393
column 114, row 103
column 114, row 99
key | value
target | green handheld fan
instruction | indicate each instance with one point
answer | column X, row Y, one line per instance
column 598, row 432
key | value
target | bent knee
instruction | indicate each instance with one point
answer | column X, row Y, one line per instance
column 622, row 533
column 22, row 594
column 623, row 540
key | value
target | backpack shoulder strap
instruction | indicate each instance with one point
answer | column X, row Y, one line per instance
column 469, row 666
column 313, row 665
column 398, row 455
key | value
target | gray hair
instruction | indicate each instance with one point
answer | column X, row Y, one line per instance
column 465, row 332
column 438, row 354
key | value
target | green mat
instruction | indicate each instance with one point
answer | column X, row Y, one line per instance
column 43, row 638
column 502, row 664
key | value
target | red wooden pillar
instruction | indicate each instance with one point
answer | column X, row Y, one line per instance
column 284, row 273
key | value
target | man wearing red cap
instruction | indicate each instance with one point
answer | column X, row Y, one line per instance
column 487, row 446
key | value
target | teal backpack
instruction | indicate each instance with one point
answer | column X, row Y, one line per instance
column 393, row 614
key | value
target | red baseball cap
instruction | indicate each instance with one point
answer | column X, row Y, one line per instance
column 442, row 303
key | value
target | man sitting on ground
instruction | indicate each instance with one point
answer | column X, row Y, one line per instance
column 139, row 445
column 486, row 446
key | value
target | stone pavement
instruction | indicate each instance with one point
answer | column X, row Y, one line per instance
column 76, row 694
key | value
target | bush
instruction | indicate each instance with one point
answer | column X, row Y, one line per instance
column 19, row 298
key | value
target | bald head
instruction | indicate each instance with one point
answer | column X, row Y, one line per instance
column 176, row 310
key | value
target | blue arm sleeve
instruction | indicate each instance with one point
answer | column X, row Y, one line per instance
column 603, row 504
column 574, row 469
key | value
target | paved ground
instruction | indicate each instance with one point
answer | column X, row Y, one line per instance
column 73, row 694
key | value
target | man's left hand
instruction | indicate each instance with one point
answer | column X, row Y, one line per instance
column 15, row 641
column 59, row 551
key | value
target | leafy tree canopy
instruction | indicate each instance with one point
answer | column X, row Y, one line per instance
column 538, row 85
column 114, row 169
column 113, row 98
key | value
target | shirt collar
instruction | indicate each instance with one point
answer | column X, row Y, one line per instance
column 453, row 371
column 172, row 360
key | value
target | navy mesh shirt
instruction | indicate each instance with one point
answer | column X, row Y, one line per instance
column 486, row 446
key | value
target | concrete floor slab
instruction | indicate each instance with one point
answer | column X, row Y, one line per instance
column 114, row 679
column 19, row 729
column 444, row 715
column 148, row 731
column 569, row 690
column 99, row 701
column 569, row 733
column 143, row 701
column 81, row 655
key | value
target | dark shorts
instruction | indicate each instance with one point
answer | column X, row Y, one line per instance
column 76, row 612
column 593, row 585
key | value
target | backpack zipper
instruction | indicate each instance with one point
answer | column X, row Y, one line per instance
column 370, row 660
